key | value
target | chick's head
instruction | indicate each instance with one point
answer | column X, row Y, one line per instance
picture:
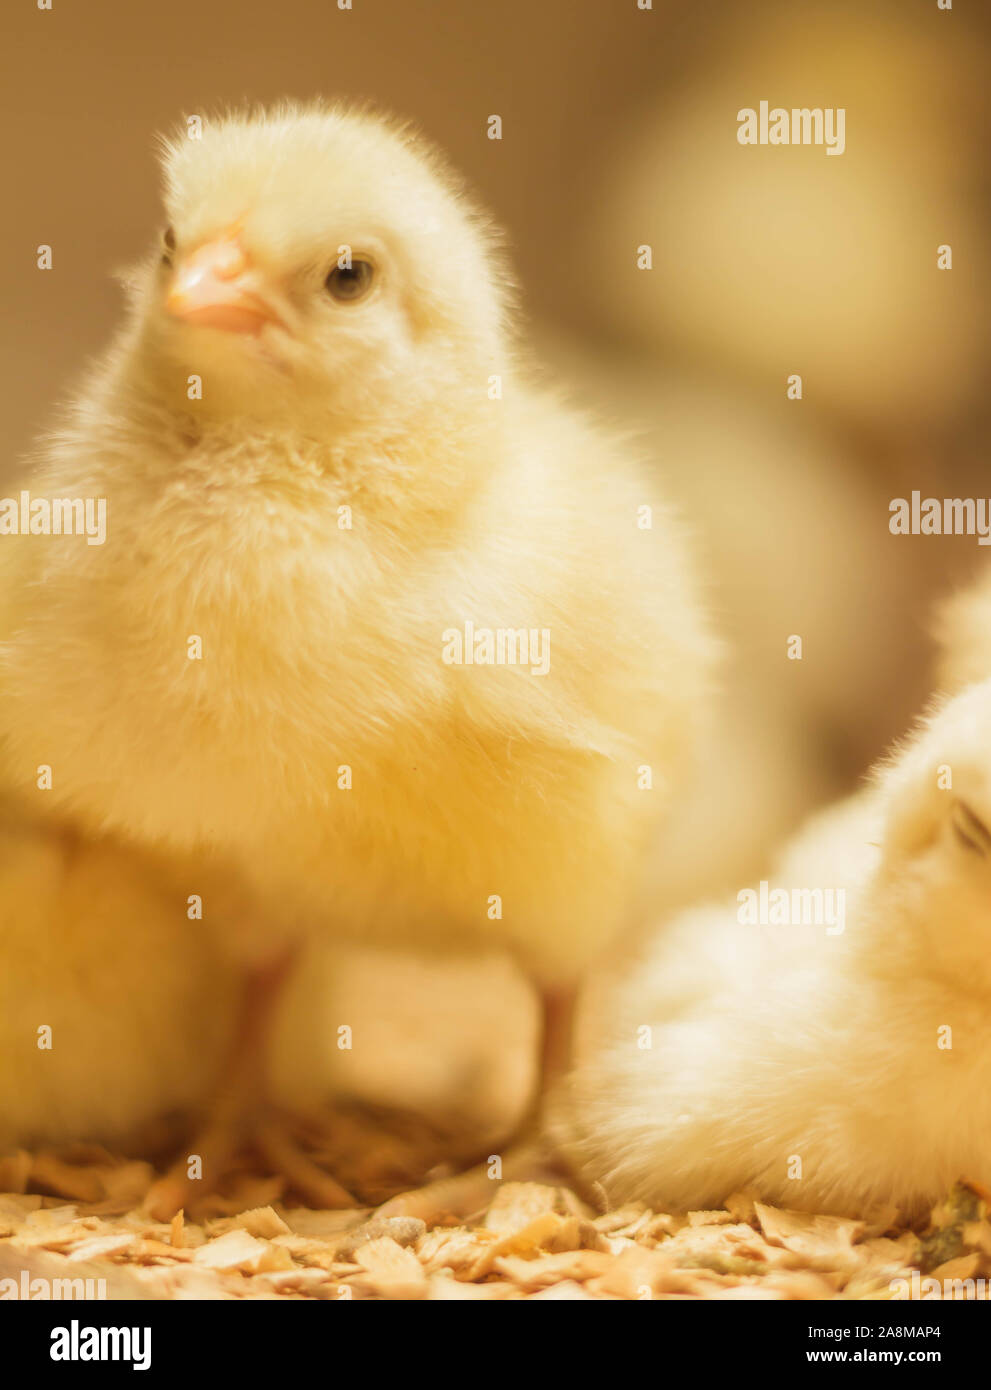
column 322, row 266
column 936, row 850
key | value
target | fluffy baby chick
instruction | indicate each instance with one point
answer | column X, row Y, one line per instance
column 398, row 636
column 97, row 961
column 828, row 1068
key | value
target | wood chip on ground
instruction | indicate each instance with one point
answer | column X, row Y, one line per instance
column 534, row 1240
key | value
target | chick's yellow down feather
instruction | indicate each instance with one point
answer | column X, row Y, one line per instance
column 831, row 1064
column 322, row 459
column 98, row 964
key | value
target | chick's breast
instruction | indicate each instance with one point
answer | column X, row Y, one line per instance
column 346, row 734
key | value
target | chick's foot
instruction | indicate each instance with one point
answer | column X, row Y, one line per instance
column 471, row 1191
column 240, row 1117
column 217, row 1151
column 526, row 1159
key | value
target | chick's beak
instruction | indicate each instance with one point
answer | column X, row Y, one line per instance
column 215, row 287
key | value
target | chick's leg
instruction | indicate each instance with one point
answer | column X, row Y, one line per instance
column 525, row 1157
column 240, row 1114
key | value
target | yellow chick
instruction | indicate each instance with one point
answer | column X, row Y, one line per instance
column 97, row 962
column 375, row 621
column 827, row 1047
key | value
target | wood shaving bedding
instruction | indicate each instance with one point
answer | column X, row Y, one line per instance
column 534, row 1240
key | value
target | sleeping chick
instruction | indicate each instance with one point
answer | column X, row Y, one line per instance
column 97, row 962
column 829, row 1066
column 407, row 644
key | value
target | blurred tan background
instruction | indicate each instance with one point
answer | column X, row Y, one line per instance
column 620, row 129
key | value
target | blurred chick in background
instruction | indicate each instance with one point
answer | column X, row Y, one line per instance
column 772, row 508
column 769, row 261
column 776, row 259
column 95, row 946
column 322, row 460
column 830, row 1067
column 963, row 627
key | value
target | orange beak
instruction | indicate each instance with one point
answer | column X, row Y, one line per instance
column 212, row 287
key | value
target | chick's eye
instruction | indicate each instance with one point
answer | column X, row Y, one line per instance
column 348, row 284
column 168, row 245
